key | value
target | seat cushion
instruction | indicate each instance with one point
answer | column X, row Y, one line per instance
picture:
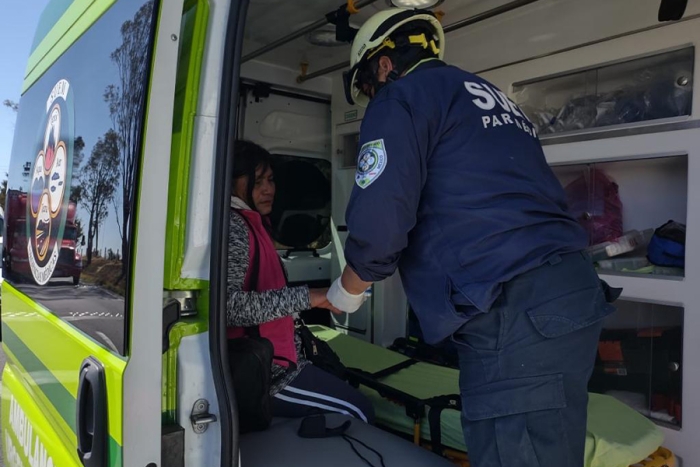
column 280, row 446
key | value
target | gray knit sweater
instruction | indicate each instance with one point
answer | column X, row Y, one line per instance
column 252, row 308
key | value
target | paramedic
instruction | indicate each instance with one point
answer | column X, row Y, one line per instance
column 258, row 296
column 452, row 188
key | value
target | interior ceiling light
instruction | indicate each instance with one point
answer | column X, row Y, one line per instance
column 414, row 3
column 324, row 37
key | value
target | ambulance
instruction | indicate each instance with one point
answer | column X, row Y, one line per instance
column 114, row 265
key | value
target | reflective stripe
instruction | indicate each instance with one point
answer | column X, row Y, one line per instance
column 311, row 404
column 327, row 398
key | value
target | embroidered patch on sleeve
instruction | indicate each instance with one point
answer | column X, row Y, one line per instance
column 370, row 163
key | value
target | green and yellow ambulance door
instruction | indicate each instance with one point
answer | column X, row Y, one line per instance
column 85, row 228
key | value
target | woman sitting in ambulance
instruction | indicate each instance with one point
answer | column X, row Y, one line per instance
column 258, row 295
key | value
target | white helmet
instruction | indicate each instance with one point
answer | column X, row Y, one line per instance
column 373, row 36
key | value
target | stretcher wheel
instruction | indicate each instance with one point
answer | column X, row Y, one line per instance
column 661, row 458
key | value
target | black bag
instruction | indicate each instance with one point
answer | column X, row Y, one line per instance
column 251, row 368
column 319, row 353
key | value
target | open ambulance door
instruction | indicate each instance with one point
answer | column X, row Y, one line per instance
column 227, row 71
column 82, row 384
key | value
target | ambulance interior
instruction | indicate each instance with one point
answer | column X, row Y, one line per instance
column 608, row 87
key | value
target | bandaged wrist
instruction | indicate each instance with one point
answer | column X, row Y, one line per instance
column 344, row 300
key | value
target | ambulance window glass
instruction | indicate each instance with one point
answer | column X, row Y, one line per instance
column 70, row 195
column 301, row 213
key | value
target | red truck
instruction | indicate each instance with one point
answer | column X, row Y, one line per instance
column 70, row 262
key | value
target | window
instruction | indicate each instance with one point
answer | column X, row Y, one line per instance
column 70, row 198
column 302, row 210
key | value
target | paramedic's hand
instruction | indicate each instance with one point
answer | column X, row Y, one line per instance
column 328, row 306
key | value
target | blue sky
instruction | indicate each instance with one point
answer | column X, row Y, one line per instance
column 16, row 35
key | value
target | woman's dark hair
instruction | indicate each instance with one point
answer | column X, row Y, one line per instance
column 248, row 158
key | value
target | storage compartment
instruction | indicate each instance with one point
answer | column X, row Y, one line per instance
column 349, row 147
column 640, row 360
column 649, row 88
column 621, row 204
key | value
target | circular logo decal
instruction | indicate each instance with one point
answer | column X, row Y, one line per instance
column 48, row 195
column 370, row 163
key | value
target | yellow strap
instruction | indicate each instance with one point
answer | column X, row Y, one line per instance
column 386, row 43
column 435, row 48
column 421, row 40
column 418, row 39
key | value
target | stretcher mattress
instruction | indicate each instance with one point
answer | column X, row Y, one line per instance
column 617, row 435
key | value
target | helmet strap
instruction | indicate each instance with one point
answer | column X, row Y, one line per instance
column 392, row 76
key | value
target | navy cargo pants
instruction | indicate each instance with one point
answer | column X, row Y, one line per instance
column 525, row 366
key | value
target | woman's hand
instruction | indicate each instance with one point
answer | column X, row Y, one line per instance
column 318, row 299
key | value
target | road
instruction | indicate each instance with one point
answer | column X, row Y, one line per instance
column 94, row 310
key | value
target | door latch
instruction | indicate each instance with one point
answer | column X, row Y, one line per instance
column 200, row 416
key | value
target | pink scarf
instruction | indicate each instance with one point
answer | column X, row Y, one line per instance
column 270, row 277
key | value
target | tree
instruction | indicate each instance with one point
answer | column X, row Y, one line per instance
column 78, row 154
column 125, row 101
column 3, row 191
column 98, row 184
column 78, row 230
column 76, row 189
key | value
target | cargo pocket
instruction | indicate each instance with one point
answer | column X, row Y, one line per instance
column 572, row 311
column 517, row 420
column 514, row 396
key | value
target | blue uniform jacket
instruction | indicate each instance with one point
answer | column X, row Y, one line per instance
column 452, row 187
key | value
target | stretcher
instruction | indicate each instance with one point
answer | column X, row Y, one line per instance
column 419, row 400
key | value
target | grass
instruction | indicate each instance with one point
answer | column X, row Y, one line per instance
column 105, row 273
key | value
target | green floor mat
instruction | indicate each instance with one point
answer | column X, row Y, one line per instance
column 617, row 435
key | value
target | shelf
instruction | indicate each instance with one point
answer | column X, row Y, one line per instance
column 632, row 129
column 647, row 191
column 666, row 290
column 650, row 88
column 621, row 204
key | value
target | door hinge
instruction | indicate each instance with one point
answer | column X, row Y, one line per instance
column 187, row 299
column 200, row 417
